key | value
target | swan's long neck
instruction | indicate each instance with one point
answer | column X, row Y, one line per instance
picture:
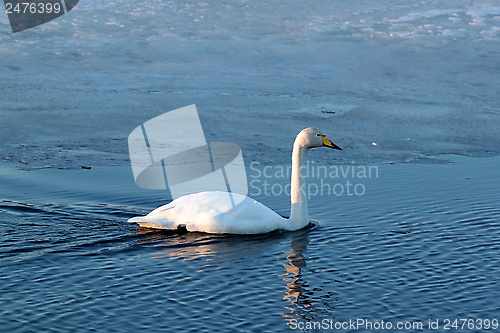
column 299, row 216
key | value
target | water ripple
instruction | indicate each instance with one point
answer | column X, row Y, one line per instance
column 390, row 256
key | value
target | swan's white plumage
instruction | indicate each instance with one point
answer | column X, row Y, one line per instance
column 211, row 211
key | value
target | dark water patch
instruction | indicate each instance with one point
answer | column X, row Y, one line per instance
column 19, row 208
column 392, row 255
column 37, row 230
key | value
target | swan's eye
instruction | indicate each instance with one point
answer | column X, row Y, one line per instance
column 318, row 134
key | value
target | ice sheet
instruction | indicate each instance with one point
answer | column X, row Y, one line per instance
column 417, row 79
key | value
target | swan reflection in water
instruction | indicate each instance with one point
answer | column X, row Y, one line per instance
column 298, row 292
column 295, row 291
column 306, row 302
column 195, row 245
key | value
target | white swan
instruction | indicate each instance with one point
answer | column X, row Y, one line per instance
column 195, row 212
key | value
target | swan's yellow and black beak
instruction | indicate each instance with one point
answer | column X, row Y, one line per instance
column 328, row 143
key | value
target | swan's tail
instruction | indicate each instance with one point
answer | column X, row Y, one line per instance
column 148, row 222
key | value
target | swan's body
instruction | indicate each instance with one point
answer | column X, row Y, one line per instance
column 211, row 211
column 248, row 217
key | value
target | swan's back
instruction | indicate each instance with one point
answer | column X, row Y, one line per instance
column 213, row 212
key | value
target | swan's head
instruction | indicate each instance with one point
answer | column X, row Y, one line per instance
column 311, row 137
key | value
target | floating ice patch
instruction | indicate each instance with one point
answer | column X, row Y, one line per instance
column 476, row 23
column 428, row 14
column 327, row 110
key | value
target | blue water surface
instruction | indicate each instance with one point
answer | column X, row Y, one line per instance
column 422, row 244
